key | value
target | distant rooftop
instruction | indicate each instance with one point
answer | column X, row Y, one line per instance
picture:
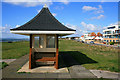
column 113, row 26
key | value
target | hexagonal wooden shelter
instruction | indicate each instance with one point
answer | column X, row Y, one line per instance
column 43, row 30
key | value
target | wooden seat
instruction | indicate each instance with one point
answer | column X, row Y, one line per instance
column 45, row 59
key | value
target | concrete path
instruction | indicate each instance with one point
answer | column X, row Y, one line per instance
column 76, row 70
column 8, row 61
column 105, row 74
column 42, row 69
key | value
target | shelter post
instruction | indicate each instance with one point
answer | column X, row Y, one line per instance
column 30, row 54
column 57, row 53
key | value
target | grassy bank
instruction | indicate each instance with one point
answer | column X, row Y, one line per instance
column 14, row 50
column 92, row 57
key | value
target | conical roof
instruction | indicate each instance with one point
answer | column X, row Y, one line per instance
column 44, row 21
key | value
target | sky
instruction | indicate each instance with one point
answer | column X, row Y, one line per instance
column 84, row 17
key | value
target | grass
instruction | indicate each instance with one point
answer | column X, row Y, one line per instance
column 3, row 65
column 14, row 50
column 91, row 57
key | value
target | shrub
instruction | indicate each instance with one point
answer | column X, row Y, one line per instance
column 4, row 64
column 111, row 43
column 114, row 69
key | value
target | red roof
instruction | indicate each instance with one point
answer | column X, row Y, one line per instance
column 82, row 36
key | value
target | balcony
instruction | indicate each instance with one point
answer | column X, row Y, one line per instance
column 111, row 36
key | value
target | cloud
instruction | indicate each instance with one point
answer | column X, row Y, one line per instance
column 29, row 3
column 5, row 32
column 33, row 3
column 89, row 8
column 98, row 17
column 64, row 2
column 116, row 23
column 89, row 27
column 93, row 28
column 38, row 10
column 100, row 6
column 95, row 9
column 2, row 29
column 54, row 14
column 17, row 25
column 59, row 7
column 78, row 32
column 5, row 29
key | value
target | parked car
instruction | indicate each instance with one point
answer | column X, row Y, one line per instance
column 92, row 42
column 104, row 42
column 78, row 40
column 82, row 41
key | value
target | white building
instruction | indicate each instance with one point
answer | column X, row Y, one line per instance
column 88, row 37
column 111, row 34
column 99, row 38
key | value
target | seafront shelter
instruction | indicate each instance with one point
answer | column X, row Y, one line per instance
column 44, row 30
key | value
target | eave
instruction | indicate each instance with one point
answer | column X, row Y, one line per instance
column 42, row 32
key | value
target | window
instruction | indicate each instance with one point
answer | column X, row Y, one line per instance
column 111, row 27
column 107, row 40
column 105, row 32
column 110, row 36
column 116, row 36
column 41, row 41
column 38, row 42
column 113, row 40
column 116, row 40
column 50, row 41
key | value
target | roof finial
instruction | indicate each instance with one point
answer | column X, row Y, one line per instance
column 45, row 6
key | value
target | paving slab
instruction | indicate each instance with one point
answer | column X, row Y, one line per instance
column 75, row 69
column 65, row 75
column 105, row 74
column 76, row 73
column 51, row 75
column 42, row 69
column 8, row 61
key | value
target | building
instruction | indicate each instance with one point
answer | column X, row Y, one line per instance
column 111, row 34
column 74, row 38
column 82, row 38
column 91, row 37
column 99, row 37
column 44, row 30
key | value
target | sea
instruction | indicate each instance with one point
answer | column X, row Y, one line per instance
column 13, row 39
